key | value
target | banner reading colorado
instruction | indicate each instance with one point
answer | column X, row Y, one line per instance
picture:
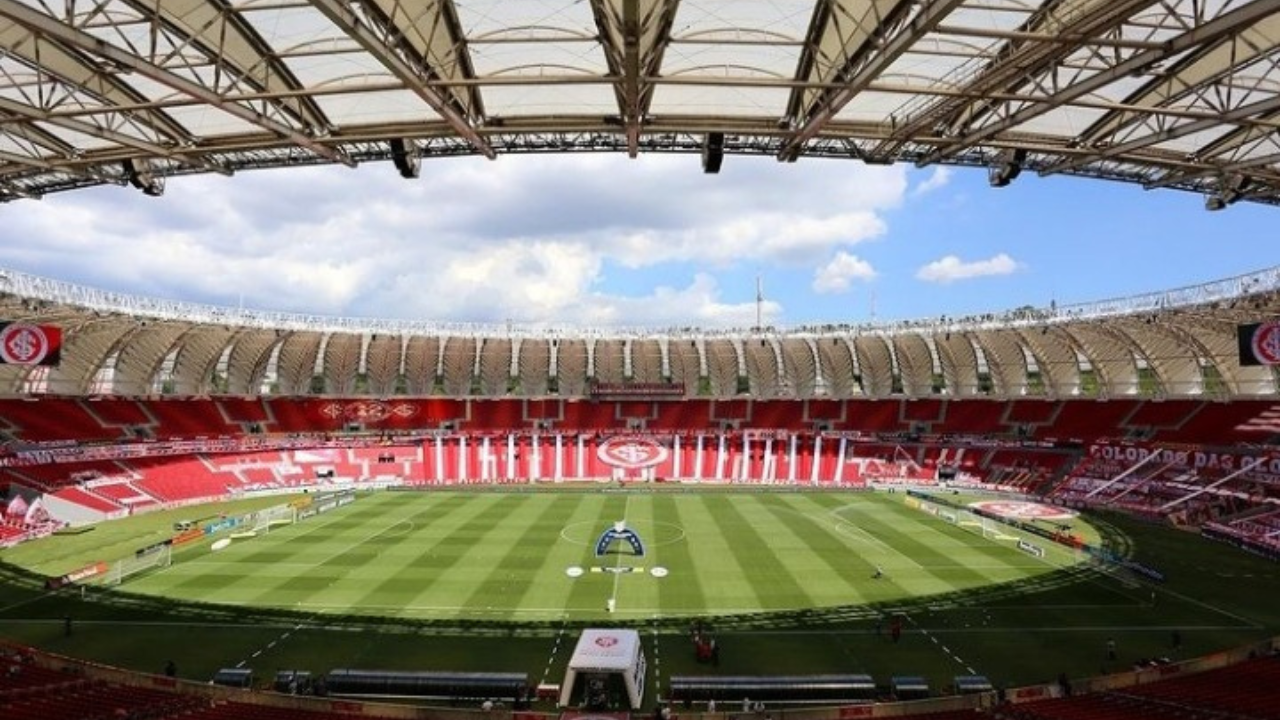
column 24, row 344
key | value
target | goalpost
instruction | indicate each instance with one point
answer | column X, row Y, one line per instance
column 272, row 517
column 158, row 556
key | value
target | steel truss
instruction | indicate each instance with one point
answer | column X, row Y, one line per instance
column 1178, row 94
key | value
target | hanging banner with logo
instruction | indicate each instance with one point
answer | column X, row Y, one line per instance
column 632, row 452
column 1259, row 343
column 25, row 344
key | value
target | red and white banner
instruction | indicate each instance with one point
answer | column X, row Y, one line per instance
column 1189, row 457
column 632, row 452
column 24, row 344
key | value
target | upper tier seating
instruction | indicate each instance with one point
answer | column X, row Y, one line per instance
column 62, row 418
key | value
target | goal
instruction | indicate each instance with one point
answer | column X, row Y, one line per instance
column 156, row 556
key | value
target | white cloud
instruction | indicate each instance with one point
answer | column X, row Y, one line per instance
column 778, row 237
column 936, row 181
column 952, row 268
column 837, row 275
column 530, row 239
column 699, row 304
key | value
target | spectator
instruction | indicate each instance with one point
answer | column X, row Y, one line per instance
column 170, row 668
column 1111, row 649
column 711, row 705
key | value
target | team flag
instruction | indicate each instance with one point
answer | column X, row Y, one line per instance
column 1259, row 343
column 26, row 344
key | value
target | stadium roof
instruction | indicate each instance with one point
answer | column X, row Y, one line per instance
column 1176, row 93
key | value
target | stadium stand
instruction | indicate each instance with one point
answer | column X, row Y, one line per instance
column 118, row 412
column 246, row 411
column 1081, row 421
column 93, row 699
column 85, row 498
column 1250, row 689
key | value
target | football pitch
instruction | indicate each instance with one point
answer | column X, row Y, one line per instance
column 507, row 556
column 791, row 582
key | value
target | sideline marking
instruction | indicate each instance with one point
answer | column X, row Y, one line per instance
column 946, row 650
column 555, row 650
column 269, row 645
column 657, row 664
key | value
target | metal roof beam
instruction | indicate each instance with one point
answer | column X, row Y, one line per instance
column 620, row 42
column 1261, row 107
column 634, row 43
column 633, row 115
column 119, row 138
column 1192, row 75
column 1225, row 24
column 43, row 164
column 1017, row 63
column 872, row 59
column 415, row 78
column 20, row 128
column 223, row 34
column 1183, row 177
column 51, row 28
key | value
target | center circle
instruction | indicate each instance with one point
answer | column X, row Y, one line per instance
column 654, row 533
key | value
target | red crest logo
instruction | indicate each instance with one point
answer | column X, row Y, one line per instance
column 1266, row 343
column 1023, row 510
column 606, row 641
column 22, row 344
column 631, row 452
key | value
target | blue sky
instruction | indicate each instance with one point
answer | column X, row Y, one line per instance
column 605, row 240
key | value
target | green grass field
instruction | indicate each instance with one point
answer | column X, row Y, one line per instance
column 477, row 580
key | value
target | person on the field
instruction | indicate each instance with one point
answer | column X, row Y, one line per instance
column 878, row 574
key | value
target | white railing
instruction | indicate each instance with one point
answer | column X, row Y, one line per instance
column 36, row 289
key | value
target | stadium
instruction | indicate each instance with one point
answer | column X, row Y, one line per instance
column 1056, row 511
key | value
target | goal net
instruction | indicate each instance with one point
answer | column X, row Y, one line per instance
column 274, row 517
column 159, row 556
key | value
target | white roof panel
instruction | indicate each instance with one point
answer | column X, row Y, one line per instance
column 485, row 18
column 773, row 76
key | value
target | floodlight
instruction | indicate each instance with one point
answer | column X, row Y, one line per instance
column 138, row 173
column 1230, row 191
column 404, row 154
column 712, row 153
column 1007, row 167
